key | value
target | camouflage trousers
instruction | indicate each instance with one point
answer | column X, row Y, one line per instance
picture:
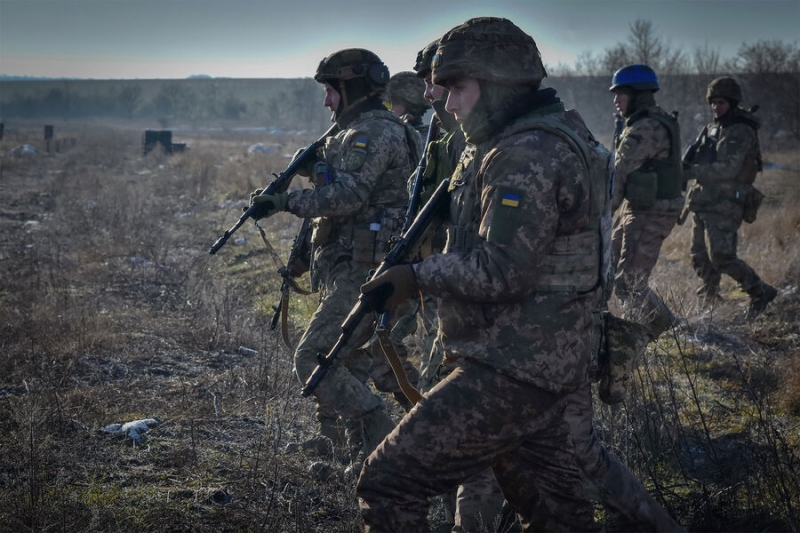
column 473, row 420
column 713, row 251
column 432, row 351
column 607, row 480
column 636, row 243
column 343, row 392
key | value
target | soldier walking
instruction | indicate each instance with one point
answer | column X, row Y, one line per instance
column 723, row 195
column 647, row 191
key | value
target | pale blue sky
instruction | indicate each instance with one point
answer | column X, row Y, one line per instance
column 287, row 38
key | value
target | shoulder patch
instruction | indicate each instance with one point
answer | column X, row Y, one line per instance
column 355, row 152
column 506, row 218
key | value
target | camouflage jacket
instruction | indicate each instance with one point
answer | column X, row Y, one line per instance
column 360, row 201
column 525, row 189
column 641, row 142
column 720, row 186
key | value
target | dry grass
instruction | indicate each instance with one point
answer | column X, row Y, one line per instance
column 112, row 310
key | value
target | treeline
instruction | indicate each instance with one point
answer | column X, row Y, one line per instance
column 769, row 72
column 279, row 102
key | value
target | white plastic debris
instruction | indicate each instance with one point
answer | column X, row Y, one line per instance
column 25, row 149
column 133, row 430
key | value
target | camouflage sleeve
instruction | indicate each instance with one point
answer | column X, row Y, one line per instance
column 526, row 186
column 733, row 146
column 363, row 157
column 644, row 140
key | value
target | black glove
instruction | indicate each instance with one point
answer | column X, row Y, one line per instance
column 391, row 288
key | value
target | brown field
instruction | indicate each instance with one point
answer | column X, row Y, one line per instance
column 112, row 310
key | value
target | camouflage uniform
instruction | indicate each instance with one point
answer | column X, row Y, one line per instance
column 718, row 198
column 478, row 501
column 358, row 203
column 607, row 480
column 646, row 150
column 517, row 352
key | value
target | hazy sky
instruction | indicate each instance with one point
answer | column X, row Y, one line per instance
column 287, row 38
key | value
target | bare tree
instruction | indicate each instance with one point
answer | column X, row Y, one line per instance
column 586, row 64
column 766, row 57
column 644, row 47
column 706, row 60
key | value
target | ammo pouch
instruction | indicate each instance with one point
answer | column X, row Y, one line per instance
column 621, row 343
column 372, row 243
column 641, row 189
column 752, row 201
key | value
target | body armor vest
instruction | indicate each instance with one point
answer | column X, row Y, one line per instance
column 753, row 161
column 370, row 231
column 578, row 262
column 669, row 171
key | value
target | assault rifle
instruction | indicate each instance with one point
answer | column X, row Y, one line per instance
column 415, row 199
column 702, row 151
column 405, row 244
column 289, row 284
column 279, row 184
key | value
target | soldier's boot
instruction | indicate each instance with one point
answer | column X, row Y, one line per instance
column 364, row 433
column 331, row 438
column 708, row 293
column 663, row 321
column 760, row 296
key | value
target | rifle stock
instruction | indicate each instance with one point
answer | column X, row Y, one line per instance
column 279, row 184
column 397, row 255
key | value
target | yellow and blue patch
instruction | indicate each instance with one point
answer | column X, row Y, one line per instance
column 509, row 199
column 361, row 142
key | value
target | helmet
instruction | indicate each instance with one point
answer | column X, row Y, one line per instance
column 724, row 88
column 407, row 88
column 491, row 49
column 353, row 63
column 356, row 74
column 425, row 58
column 637, row 77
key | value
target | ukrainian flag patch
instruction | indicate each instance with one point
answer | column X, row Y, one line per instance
column 361, row 142
column 510, row 199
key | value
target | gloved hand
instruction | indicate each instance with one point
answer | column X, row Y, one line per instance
column 391, row 288
column 267, row 205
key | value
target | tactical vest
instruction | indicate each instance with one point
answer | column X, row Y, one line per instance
column 370, row 231
column 753, row 162
column 576, row 263
column 668, row 171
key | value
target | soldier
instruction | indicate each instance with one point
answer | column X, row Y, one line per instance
column 358, row 201
column 405, row 93
column 647, row 189
column 723, row 195
column 478, row 501
column 518, row 334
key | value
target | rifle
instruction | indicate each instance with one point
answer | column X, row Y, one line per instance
column 414, row 199
column 282, row 309
column 397, row 255
column 279, row 184
column 702, row 151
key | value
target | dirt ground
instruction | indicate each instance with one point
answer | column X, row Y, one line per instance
column 113, row 311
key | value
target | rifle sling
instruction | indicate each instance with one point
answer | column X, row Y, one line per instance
column 389, row 351
column 285, row 319
column 289, row 283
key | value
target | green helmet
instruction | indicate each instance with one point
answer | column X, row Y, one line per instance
column 408, row 89
column 491, row 49
column 357, row 75
column 724, row 88
column 353, row 63
column 425, row 58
